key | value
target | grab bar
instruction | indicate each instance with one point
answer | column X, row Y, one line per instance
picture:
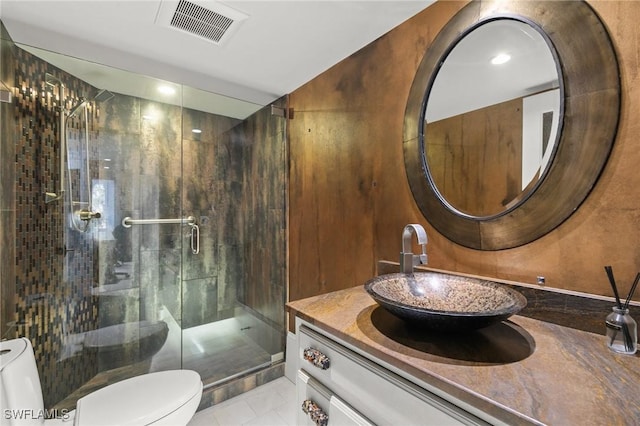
column 127, row 221
column 194, row 237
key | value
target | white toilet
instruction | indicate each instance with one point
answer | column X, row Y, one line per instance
column 163, row 398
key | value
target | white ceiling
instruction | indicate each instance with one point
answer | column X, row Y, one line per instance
column 278, row 48
column 467, row 80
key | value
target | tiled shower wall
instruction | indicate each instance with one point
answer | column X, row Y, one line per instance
column 49, row 304
column 7, row 188
column 235, row 186
column 231, row 178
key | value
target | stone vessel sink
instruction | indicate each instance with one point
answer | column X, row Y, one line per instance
column 445, row 302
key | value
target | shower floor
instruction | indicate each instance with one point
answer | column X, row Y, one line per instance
column 217, row 351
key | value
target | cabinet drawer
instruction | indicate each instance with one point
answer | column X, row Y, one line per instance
column 332, row 409
column 383, row 396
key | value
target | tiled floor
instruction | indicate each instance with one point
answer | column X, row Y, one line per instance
column 272, row 404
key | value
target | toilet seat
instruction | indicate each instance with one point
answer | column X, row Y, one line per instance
column 140, row 400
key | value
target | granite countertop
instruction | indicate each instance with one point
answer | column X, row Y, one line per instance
column 521, row 371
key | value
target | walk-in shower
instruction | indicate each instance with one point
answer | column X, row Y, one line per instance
column 186, row 265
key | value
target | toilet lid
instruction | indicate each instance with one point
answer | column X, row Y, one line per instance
column 139, row 400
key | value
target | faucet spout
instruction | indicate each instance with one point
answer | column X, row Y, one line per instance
column 407, row 259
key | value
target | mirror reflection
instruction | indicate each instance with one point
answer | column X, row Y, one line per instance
column 146, row 87
column 492, row 118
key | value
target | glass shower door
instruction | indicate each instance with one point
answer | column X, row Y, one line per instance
column 233, row 290
column 138, row 183
column 190, row 243
column 208, row 297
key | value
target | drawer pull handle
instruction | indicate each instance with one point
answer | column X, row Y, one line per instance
column 319, row 417
column 317, row 358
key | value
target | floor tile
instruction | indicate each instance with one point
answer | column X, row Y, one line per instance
column 204, row 418
column 236, row 413
column 272, row 404
column 289, row 412
column 271, row 418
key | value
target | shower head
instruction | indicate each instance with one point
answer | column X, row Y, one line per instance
column 103, row 96
column 76, row 107
column 51, row 80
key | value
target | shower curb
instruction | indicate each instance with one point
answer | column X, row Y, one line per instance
column 216, row 395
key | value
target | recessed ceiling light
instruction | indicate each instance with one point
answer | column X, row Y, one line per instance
column 500, row 59
column 166, row 90
column 198, row 131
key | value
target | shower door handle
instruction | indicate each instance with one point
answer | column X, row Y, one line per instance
column 127, row 221
column 195, row 238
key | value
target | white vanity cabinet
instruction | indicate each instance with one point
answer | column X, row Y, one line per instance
column 318, row 404
column 352, row 389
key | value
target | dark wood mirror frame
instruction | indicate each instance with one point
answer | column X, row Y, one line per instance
column 591, row 80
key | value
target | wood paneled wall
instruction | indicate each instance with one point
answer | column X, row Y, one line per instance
column 478, row 158
column 349, row 196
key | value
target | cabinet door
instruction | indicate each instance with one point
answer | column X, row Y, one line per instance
column 343, row 414
column 318, row 405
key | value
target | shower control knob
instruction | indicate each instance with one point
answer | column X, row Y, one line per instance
column 88, row 215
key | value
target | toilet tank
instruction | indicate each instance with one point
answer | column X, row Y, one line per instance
column 20, row 393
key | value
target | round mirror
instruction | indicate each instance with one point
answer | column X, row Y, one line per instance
column 492, row 117
column 496, row 159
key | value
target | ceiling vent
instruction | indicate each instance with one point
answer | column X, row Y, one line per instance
column 209, row 20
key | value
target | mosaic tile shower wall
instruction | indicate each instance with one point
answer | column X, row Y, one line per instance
column 7, row 189
column 51, row 306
